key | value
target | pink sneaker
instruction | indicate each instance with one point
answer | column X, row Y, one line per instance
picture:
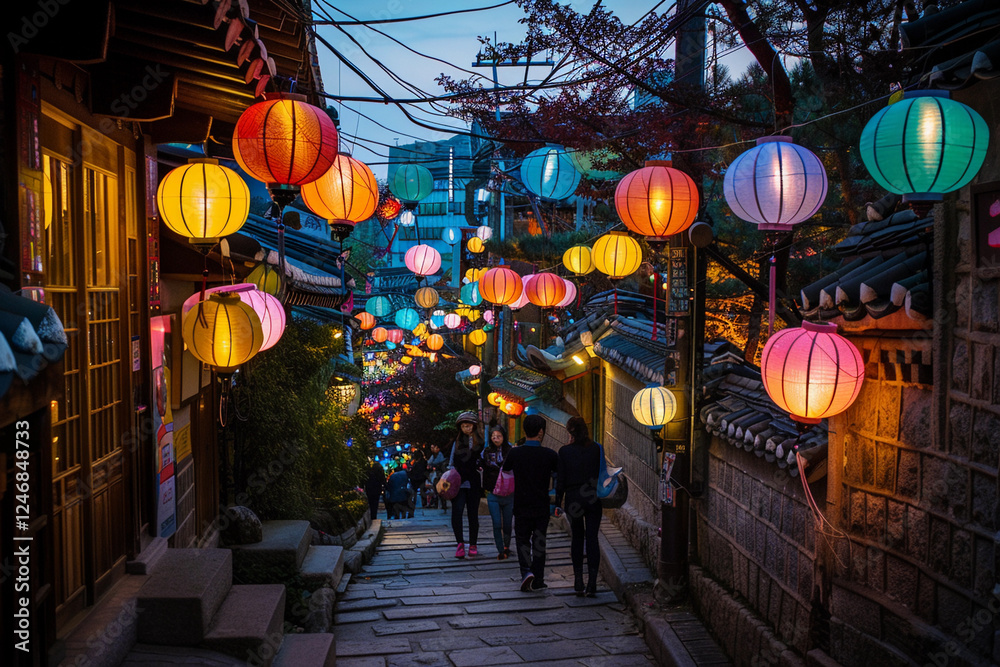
column 460, row 551
column 473, row 551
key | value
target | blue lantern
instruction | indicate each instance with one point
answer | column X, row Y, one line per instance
column 470, row 294
column 389, row 345
column 350, row 442
column 549, row 173
column 437, row 321
column 451, row 235
column 407, row 319
column 378, row 306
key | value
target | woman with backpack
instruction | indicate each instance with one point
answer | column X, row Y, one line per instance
column 466, row 459
column 576, row 483
column 501, row 506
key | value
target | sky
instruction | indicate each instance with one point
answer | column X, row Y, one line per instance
column 451, row 38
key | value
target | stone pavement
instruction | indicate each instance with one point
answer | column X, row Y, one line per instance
column 416, row 604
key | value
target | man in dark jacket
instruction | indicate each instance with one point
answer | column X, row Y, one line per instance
column 397, row 494
column 373, row 487
column 533, row 467
column 418, row 477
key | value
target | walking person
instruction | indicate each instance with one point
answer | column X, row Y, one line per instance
column 373, row 487
column 397, row 494
column 418, row 477
column 576, row 486
column 436, row 465
column 466, row 458
column 501, row 507
column 533, row 466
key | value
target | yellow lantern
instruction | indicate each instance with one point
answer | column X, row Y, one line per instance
column 426, row 297
column 477, row 337
column 654, row 406
column 473, row 275
column 475, row 245
column 203, row 200
column 405, row 360
column 494, row 399
column 419, row 330
column 579, row 260
column 266, row 278
column 617, row 255
column 222, row 331
column 435, row 342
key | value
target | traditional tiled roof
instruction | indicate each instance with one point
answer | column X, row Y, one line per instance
column 520, row 382
column 955, row 47
column 31, row 337
column 886, row 268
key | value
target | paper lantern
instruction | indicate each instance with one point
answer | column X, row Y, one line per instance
column 473, row 275
column 494, row 399
column 549, row 173
column 405, row 360
column 411, row 182
column 811, row 371
column 435, row 342
column 266, row 278
column 422, row 259
column 570, row 297
column 776, row 184
column 452, row 320
column 617, row 255
column 389, row 208
column 366, row 319
column 469, row 294
column 500, row 285
column 925, row 145
column 451, row 235
column 394, row 336
column 203, row 200
column 475, row 245
column 475, row 370
column 522, row 300
column 488, row 316
column 579, row 260
column 407, row 218
column 477, row 337
column 437, row 319
column 654, row 406
column 512, row 409
column 406, row 318
column 345, row 195
column 426, row 297
column 419, row 330
column 222, row 331
column 267, row 307
column 485, row 232
column 284, row 140
column 546, row 290
column 380, row 335
column 657, row 200
column 379, row 306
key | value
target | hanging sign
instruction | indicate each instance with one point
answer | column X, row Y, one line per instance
column 678, row 299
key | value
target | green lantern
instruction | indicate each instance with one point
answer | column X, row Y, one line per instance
column 924, row 146
column 469, row 294
column 378, row 306
column 266, row 278
column 411, row 182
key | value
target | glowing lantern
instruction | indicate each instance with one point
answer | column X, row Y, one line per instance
column 394, row 336
column 477, row 337
column 267, row 307
column 203, row 200
column 451, row 235
column 617, row 255
column 811, row 372
column 406, row 318
column 475, row 245
column 570, row 297
column 435, row 342
column 411, row 182
column 494, row 399
column 500, row 285
column 378, row 306
column 266, row 278
column 485, row 232
column 549, row 173
column 366, row 319
column 407, row 218
column 473, row 275
column 426, row 297
column 380, row 335
column 522, row 300
column 475, row 370
column 405, row 360
column 422, row 259
column 283, row 140
column 776, row 184
column 222, row 331
column 579, row 260
column 453, row 320
column 437, row 319
column 389, row 208
column 657, row 200
column 419, row 330
column 511, row 408
column 924, row 145
column 546, row 290
column 345, row 195
column 470, row 295
column 488, row 316
column 654, row 406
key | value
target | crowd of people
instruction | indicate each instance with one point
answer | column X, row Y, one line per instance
column 571, row 473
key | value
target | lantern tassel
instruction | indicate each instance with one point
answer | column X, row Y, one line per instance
column 281, row 248
column 771, row 294
column 655, row 287
column 201, row 298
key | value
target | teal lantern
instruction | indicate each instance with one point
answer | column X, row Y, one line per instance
column 549, row 173
column 411, row 182
column 487, row 328
column 378, row 306
column 924, row 145
column 470, row 294
column 407, row 319
column 451, row 235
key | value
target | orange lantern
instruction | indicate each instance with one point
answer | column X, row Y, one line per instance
column 380, row 335
column 513, row 409
column 546, row 290
column 435, row 342
column 500, row 285
column 366, row 319
column 494, row 399
column 811, row 371
column 657, row 200
column 389, row 208
column 475, row 245
column 395, row 336
column 345, row 195
column 426, row 297
column 284, row 140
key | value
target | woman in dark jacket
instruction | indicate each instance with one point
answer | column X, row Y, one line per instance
column 501, row 507
column 466, row 458
column 418, row 477
column 576, row 483
column 373, row 487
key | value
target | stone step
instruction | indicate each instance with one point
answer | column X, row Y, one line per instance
column 249, row 624
column 345, row 579
column 307, row 650
column 148, row 557
column 323, row 566
column 281, row 551
column 178, row 601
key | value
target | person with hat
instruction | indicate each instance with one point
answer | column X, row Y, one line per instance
column 466, row 453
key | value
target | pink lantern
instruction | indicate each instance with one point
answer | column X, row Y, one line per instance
column 475, row 370
column 812, row 372
column 423, row 260
column 395, row 336
column 523, row 300
column 570, row 297
column 268, row 308
column 453, row 320
column 488, row 316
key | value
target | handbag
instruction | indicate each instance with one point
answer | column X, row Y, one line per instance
column 618, row 496
column 607, row 479
column 505, row 484
column 447, row 487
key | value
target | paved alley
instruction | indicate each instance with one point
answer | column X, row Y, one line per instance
column 416, row 604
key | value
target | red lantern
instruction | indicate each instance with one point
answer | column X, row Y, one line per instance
column 285, row 140
column 395, row 336
column 366, row 319
column 389, row 208
column 500, row 285
column 812, row 372
column 379, row 334
column 657, row 200
column 546, row 290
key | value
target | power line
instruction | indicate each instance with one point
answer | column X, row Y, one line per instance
column 411, row 18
